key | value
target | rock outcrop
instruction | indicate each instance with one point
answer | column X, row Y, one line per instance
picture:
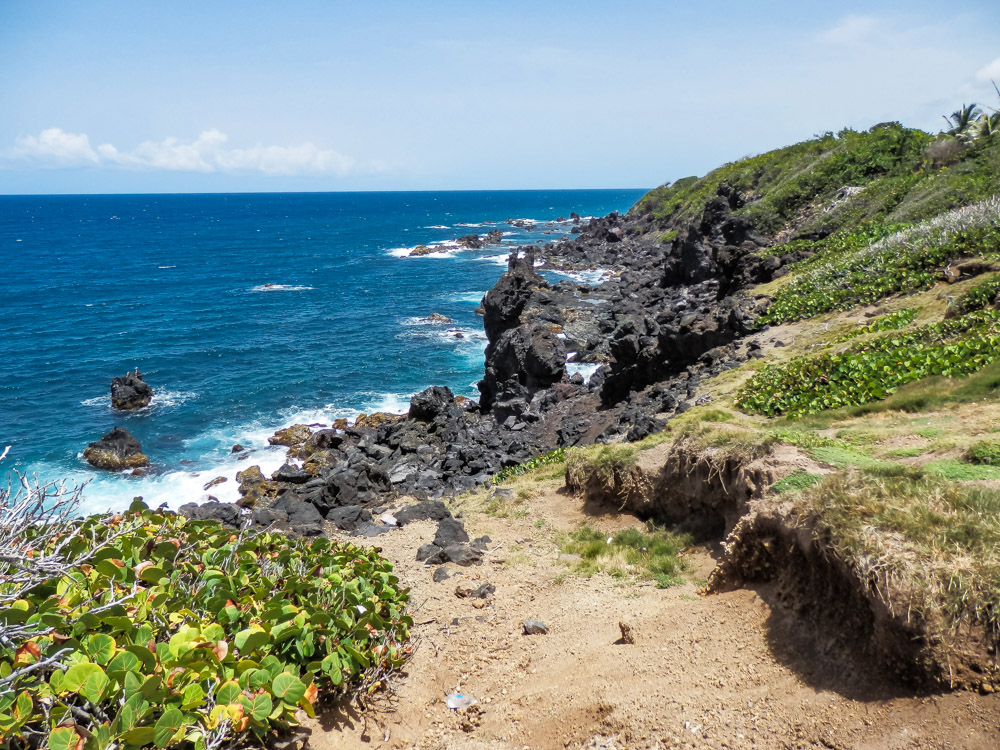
column 116, row 451
column 130, row 392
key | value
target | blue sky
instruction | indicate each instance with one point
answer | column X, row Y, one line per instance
column 107, row 96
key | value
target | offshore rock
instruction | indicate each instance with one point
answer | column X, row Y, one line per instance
column 130, row 392
column 116, row 451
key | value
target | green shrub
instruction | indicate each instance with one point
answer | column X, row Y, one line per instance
column 871, row 370
column 985, row 452
column 181, row 632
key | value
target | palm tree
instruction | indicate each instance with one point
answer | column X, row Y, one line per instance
column 960, row 121
column 986, row 126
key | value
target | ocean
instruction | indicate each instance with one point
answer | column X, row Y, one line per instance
column 245, row 313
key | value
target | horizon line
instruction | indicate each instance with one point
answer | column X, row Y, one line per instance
column 321, row 192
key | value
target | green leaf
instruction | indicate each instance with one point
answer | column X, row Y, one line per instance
column 288, row 688
column 125, row 661
column 63, row 738
column 228, row 692
column 251, row 639
column 100, row 648
column 140, row 736
column 166, row 726
column 258, row 707
column 152, row 574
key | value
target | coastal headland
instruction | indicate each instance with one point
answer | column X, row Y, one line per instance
column 789, row 362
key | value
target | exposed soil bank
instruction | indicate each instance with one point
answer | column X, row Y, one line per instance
column 718, row 493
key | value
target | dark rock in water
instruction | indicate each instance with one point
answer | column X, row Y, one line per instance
column 130, row 391
column 426, row 510
column 433, row 402
column 441, row 574
column 462, row 555
column 237, row 448
column 349, row 517
column 116, row 451
column 450, row 531
column 535, row 627
column 214, row 482
column 291, row 474
column 225, row 513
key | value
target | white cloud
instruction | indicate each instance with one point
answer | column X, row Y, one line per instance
column 990, row 72
column 55, row 147
column 206, row 154
column 849, row 30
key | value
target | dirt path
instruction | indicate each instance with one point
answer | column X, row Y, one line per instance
column 726, row 671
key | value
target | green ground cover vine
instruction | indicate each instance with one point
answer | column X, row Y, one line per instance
column 873, row 369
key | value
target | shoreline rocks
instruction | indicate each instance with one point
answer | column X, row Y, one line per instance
column 666, row 316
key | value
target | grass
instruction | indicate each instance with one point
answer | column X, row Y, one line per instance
column 610, row 465
column 796, row 481
column 959, row 471
column 937, row 540
column 653, row 554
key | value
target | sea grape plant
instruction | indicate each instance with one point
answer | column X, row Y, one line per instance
column 873, row 369
column 184, row 632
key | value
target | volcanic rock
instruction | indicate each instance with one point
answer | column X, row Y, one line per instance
column 130, row 391
column 116, row 451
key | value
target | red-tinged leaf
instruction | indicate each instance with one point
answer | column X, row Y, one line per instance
column 311, row 692
column 221, row 650
column 173, row 673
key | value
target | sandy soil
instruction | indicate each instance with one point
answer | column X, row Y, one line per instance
column 731, row 670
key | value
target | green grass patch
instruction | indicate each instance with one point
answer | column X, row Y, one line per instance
column 906, row 452
column 796, row 481
column 960, row 471
column 841, row 456
column 653, row 554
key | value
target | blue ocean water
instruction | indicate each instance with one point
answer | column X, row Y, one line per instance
column 245, row 313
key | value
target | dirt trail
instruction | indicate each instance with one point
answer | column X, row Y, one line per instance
column 726, row 671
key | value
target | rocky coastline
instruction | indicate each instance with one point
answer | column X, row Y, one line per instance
column 668, row 315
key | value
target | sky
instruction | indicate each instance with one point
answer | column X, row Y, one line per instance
column 106, row 96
